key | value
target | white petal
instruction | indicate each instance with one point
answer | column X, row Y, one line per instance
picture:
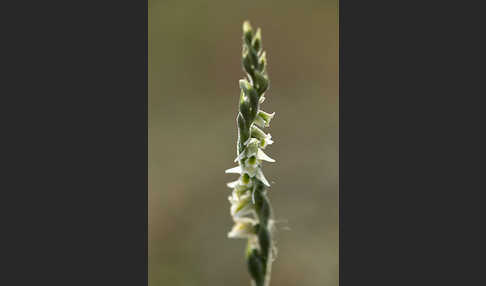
column 260, row 122
column 262, row 156
column 247, row 209
column 262, row 178
column 251, row 171
column 233, row 184
column 243, row 228
column 241, row 206
column 245, row 220
column 235, row 170
column 252, row 147
column 248, row 163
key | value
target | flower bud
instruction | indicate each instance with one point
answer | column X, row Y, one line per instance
column 262, row 61
column 247, row 62
column 247, row 32
column 251, row 93
column 243, row 134
column 261, row 82
column 245, row 108
column 257, row 40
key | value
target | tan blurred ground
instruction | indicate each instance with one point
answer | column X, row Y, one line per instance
column 194, row 68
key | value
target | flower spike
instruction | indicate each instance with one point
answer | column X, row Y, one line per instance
column 250, row 207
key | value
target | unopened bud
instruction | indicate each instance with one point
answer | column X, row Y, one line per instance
column 247, row 32
column 257, row 40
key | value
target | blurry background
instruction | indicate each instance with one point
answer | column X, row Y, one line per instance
column 194, row 68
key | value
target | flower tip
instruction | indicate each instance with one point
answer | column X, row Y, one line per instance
column 258, row 33
column 246, row 26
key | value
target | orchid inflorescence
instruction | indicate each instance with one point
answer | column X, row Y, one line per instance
column 250, row 207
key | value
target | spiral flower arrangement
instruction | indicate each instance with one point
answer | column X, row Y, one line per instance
column 250, row 207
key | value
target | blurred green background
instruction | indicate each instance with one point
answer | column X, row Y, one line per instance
column 194, row 68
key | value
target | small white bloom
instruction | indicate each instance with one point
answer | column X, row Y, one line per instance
column 251, row 147
column 262, row 99
column 252, row 161
column 263, row 119
column 265, row 139
column 252, row 150
column 259, row 121
column 243, row 228
column 250, row 166
column 240, row 205
column 265, row 142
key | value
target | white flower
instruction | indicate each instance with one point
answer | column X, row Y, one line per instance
column 250, row 166
column 265, row 139
column 263, row 119
column 243, row 228
column 265, row 142
column 251, row 149
column 240, row 205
